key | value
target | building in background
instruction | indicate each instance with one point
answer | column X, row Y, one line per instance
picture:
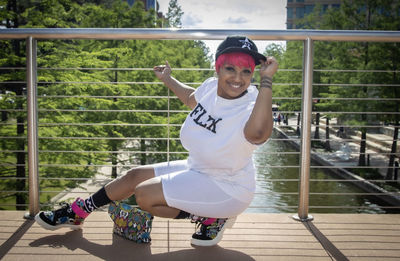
column 297, row 9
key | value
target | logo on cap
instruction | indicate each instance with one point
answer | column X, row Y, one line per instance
column 246, row 43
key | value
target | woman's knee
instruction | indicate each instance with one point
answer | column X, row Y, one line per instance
column 138, row 175
column 149, row 193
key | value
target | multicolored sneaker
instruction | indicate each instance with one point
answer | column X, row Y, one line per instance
column 210, row 230
column 71, row 216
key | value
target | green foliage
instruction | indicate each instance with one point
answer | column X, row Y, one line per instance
column 336, row 64
column 174, row 14
column 88, row 114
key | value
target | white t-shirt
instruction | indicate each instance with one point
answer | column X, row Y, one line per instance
column 213, row 135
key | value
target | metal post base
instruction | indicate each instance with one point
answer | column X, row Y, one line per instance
column 308, row 218
column 28, row 216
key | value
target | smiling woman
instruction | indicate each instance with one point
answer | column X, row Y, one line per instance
column 216, row 182
column 235, row 71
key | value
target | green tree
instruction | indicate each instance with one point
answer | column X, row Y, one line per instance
column 370, row 15
column 174, row 14
column 357, row 15
column 12, row 91
column 82, row 116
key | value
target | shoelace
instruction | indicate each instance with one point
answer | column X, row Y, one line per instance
column 63, row 211
column 199, row 223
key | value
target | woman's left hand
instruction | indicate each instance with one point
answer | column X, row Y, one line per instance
column 269, row 67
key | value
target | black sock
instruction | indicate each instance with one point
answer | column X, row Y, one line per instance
column 97, row 200
column 182, row 215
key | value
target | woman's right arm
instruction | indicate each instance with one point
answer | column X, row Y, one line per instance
column 184, row 92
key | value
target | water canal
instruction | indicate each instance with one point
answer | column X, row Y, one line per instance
column 277, row 185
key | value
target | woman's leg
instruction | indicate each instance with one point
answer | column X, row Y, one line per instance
column 147, row 188
column 150, row 197
column 125, row 186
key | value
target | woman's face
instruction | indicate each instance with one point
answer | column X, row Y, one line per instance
column 233, row 80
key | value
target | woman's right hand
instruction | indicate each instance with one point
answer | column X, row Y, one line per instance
column 162, row 72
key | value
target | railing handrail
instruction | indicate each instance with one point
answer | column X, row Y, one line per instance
column 198, row 34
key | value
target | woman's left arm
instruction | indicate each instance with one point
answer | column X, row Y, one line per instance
column 259, row 126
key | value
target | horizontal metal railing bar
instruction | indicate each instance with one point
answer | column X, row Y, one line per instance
column 13, row 178
column 12, row 110
column 338, row 126
column 130, row 152
column 356, row 207
column 181, row 111
column 113, row 152
column 256, row 153
column 260, row 206
column 14, row 205
column 194, row 69
column 355, row 194
column 197, row 34
column 330, row 166
column 351, row 140
column 352, row 70
column 257, row 193
column 14, row 191
column 353, row 167
column 198, row 83
column 110, row 124
column 119, row 69
column 356, row 99
column 130, row 165
column 259, row 166
column 106, row 138
column 272, row 206
column 257, row 207
column 357, row 112
column 330, row 194
column 363, row 153
column 330, row 207
column 98, row 152
column 110, row 82
column 264, row 180
column 280, row 126
column 171, row 125
column 174, row 97
column 106, row 97
column 161, row 152
column 357, row 84
column 108, row 110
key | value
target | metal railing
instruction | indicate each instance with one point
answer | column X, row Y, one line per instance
column 308, row 37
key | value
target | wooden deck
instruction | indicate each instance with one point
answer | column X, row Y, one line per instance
column 253, row 237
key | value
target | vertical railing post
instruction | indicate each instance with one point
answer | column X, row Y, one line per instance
column 169, row 125
column 305, row 153
column 33, row 164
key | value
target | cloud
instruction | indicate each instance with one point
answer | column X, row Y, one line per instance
column 190, row 20
column 236, row 21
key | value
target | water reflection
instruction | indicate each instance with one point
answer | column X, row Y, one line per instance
column 276, row 195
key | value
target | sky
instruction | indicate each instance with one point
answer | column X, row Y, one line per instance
column 231, row 14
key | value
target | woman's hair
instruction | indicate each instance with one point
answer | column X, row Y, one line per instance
column 236, row 58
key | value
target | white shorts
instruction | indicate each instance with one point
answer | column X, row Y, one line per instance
column 194, row 192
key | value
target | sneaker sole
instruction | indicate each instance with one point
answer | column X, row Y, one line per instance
column 52, row 228
column 197, row 242
column 206, row 243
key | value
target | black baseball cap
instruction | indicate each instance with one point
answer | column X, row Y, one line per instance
column 237, row 43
